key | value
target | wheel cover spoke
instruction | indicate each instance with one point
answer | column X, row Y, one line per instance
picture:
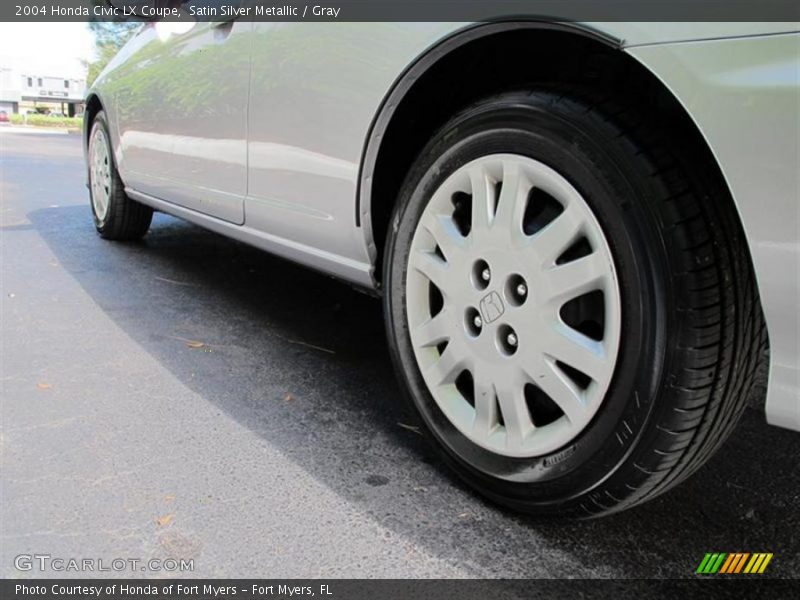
column 482, row 200
column 433, row 268
column 516, row 418
column 576, row 350
column 548, row 244
column 514, row 307
column 435, row 330
column 444, row 231
column 445, row 370
column 486, row 413
column 100, row 173
column 562, row 391
column 511, row 201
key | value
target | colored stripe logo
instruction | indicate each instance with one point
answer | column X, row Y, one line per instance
column 734, row 563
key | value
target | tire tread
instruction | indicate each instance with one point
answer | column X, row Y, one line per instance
column 719, row 300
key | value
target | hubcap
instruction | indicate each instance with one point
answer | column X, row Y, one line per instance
column 513, row 305
column 99, row 173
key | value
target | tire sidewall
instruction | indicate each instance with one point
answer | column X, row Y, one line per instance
column 610, row 182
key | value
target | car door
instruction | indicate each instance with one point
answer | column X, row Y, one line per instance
column 315, row 88
column 183, row 115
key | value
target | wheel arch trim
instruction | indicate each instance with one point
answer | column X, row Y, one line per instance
column 405, row 82
column 92, row 98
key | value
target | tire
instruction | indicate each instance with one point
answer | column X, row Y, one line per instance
column 672, row 259
column 116, row 216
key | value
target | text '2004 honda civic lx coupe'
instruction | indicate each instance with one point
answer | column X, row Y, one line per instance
column 585, row 235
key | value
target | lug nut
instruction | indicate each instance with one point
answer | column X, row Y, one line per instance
column 512, row 339
column 473, row 322
column 486, row 275
column 516, row 290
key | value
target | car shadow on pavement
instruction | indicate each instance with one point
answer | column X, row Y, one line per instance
column 301, row 360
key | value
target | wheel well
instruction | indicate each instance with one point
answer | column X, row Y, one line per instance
column 93, row 106
column 493, row 63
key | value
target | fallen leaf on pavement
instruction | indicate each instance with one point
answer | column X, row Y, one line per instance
column 288, row 397
column 307, row 345
column 43, row 386
column 167, row 280
column 190, row 343
column 413, row 428
column 165, row 520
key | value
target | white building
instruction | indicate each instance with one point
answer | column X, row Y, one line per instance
column 22, row 90
column 10, row 91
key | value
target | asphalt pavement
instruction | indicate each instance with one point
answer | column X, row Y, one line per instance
column 189, row 397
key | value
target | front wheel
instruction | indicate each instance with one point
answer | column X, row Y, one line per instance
column 574, row 320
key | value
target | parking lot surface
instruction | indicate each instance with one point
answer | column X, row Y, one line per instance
column 191, row 397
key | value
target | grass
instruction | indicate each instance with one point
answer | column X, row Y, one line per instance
column 45, row 121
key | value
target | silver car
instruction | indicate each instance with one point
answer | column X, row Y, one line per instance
column 585, row 235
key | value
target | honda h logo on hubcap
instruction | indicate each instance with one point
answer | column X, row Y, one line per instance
column 491, row 307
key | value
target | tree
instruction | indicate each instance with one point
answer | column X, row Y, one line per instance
column 109, row 37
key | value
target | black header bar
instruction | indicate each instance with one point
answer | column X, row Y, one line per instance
column 787, row 11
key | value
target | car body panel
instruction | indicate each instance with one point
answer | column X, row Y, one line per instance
column 638, row 34
column 359, row 273
column 311, row 110
column 305, row 116
column 182, row 134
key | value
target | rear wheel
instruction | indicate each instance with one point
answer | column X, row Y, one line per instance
column 116, row 216
column 572, row 312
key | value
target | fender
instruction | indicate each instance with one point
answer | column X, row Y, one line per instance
column 408, row 78
column 92, row 99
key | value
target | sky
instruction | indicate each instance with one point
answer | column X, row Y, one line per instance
column 47, row 48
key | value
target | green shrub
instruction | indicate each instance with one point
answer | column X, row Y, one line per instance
column 45, row 121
